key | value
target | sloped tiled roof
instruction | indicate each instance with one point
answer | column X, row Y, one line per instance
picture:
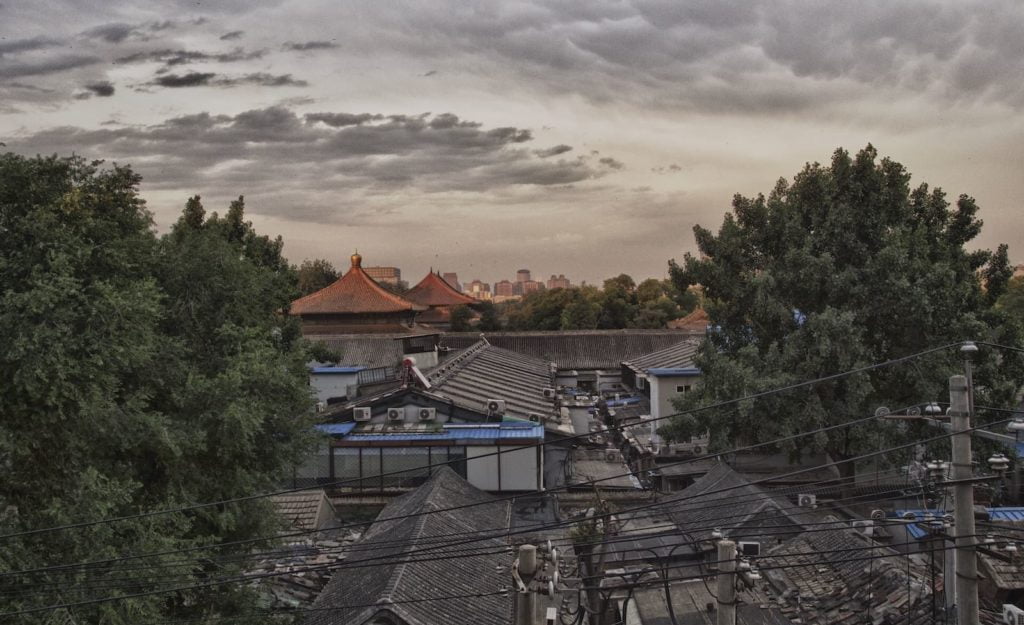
column 724, row 497
column 353, row 293
column 838, row 583
column 301, row 509
column 697, row 321
column 404, row 577
column 576, row 349
column 676, row 356
column 432, row 290
column 378, row 350
column 484, row 372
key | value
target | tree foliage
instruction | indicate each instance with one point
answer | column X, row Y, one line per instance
column 314, row 275
column 461, row 317
column 140, row 374
column 844, row 267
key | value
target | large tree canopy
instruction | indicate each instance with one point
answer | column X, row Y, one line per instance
column 139, row 374
column 844, row 267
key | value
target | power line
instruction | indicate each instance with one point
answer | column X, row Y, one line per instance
column 717, row 405
column 267, row 575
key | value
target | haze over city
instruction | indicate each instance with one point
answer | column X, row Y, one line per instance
column 583, row 138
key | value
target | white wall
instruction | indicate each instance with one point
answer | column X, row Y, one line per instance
column 411, row 414
column 518, row 468
column 327, row 385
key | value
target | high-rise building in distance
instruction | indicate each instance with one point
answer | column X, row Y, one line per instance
column 523, row 275
column 389, row 275
column 503, row 288
column 452, row 278
column 559, row 282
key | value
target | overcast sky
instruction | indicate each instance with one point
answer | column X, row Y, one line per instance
column 584, row 138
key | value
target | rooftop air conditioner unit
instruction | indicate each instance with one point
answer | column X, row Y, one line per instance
column 362, row 413
column 536, row 417
column 807, row 501
column 549, row 393
column 865, row 527
column 321, row 406
column 428, row 414
column 749, row 549
column 613, row 455
column 496, row 406
column 1012, row 615
column 395, row 414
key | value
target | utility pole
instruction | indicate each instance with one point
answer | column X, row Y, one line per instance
column 726, row 583
column 526, row 596
column 963, row 500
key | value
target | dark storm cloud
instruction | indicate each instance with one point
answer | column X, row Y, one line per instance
column 611, row 163
column 273, row 150
column 211, row 79
column 553, row 151
column 102, row 89
column 26, row 45
column 191, row 79
column 180, row 57
column 308, row 45
column 233, row 35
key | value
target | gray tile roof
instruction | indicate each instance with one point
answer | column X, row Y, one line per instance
column 305, row 510
column 838, row 586
column 678, row 356
column 724, row 497
column 390, row 586
column 578, row 349
column 361, row 350
column 484, row 372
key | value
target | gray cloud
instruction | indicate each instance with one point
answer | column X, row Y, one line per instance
column 26, row 45
column 47, row 66
column 308, row 45
column 553, row 151
column 181, row 57
column 611, row 163
column 372, row 159
column 113, row 33
column 211, row 79
column 102, row 89
column 233, row 35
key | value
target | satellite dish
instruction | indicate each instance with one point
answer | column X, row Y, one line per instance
column 878, row 515
column 914, row 411
column 882, row 411
column 551, row 589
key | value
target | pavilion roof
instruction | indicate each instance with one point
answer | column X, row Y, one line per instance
column 353, row 293
column 433, row 290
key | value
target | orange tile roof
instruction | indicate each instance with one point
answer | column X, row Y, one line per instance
column 697, row 320
column 434, row 291
column 353, row 293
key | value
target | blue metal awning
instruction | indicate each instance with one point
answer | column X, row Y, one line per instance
column 336, row 369
column 1006, row 514
column 503, row 431
column 680, row 371
column 337, row 429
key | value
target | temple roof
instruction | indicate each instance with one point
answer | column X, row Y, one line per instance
column 432, row 290
column 353, row 293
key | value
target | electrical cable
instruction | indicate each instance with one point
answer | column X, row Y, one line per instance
column 262, row 576
column 748, row 397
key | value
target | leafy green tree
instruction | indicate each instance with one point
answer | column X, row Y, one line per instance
column 315, row 274
column 490, row 321
column 461, row 318
column 582, row 311
column 140, row 374
column 618, row 302
column 843, row 267
column 1011, row 303
column 540, row 310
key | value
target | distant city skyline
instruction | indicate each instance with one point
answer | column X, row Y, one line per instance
column 581, row 137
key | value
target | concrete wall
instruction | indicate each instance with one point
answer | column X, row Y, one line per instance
column 664, row 389
column 410, row 414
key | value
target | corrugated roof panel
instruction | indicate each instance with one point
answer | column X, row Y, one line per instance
column 337, row 428
column 336, row 369
column 456, row 433
column 1006, row 514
